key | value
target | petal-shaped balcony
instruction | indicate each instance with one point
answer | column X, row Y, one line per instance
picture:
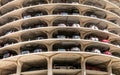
column 62, row 34
column 33, row 2
column 66, row 46
column 65, row 1
column 95, row 13
column 9, row 9
column 66, row 21
column 66, row 10
column 7, row 53
column 33, row 24
column 7, row 41
column 8, row 20
column 12, row 30
column 115, row 21
column 33, row 13
column 96, row 48
column 100, row 4
column 96, row 36
column 33, row 48
column 8, row 30
column 96, row 25
column 36, row 35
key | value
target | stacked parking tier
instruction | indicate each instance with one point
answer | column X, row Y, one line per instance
column 59, row 37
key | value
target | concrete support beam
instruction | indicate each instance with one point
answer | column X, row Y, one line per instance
column 50, row 72
column 19, row 68
column 109, row 67
column 83, row 66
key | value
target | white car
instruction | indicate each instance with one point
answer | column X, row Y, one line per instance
column 62, row 25
column 75, row 49
column 76, row 25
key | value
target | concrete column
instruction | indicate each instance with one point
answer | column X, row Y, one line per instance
column 51, row 1
column 50, row 47
column 50, row 66
column 19, row 68
column 79, row 1
column 109, row 68
column 20, row 40
column 82, row 48
column 82, row 35
column 18, row 50
column 49, row 35
column 83, row 66
column 48, row 1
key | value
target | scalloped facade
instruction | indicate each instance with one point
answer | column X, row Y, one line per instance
column 59, row 37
